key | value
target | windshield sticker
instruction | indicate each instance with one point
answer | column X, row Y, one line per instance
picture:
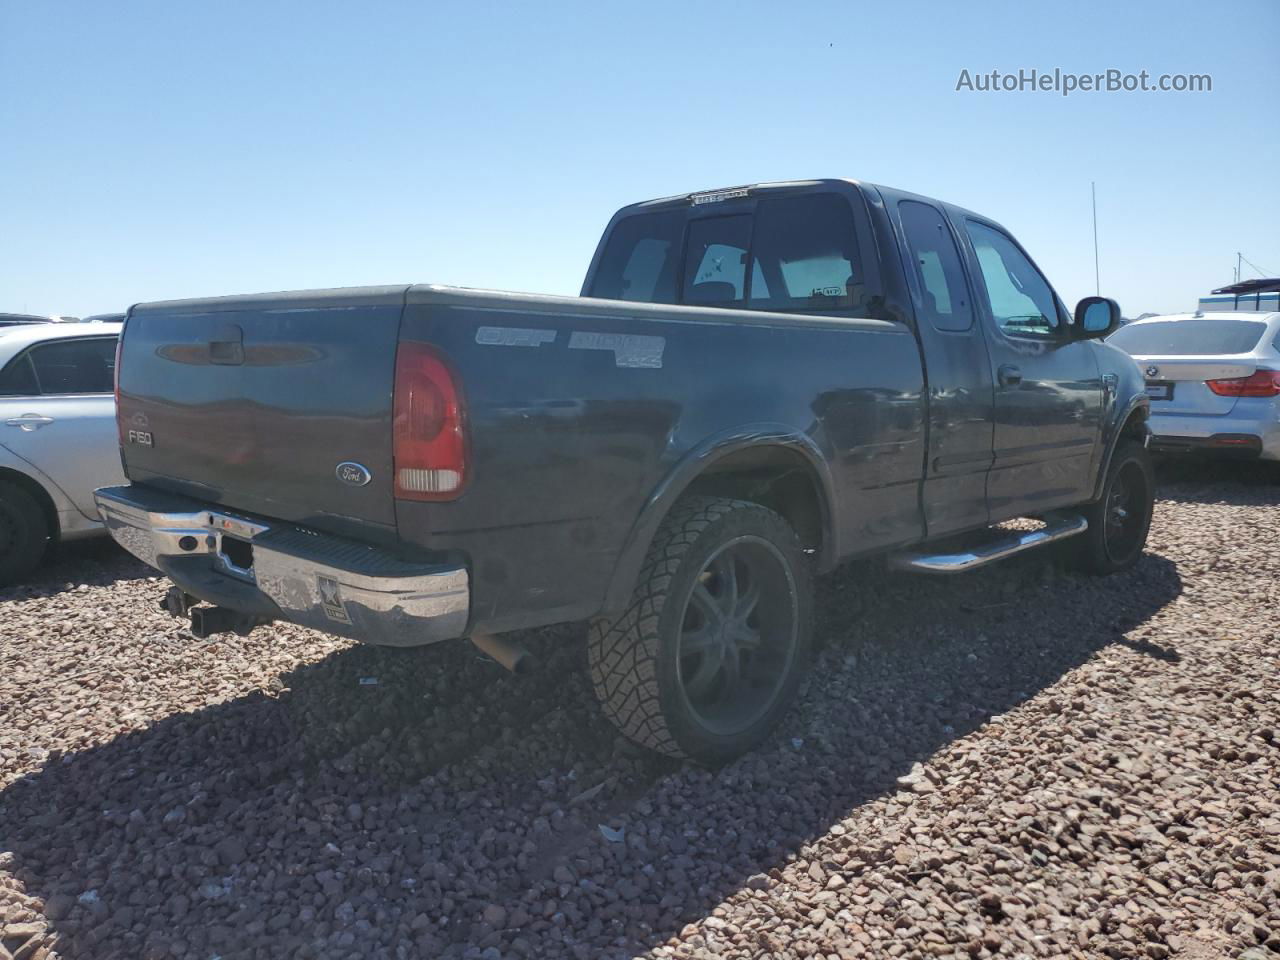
column 629, row 350
column 514, row 336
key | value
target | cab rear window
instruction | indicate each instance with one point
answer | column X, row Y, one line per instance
column 641, row 259
column 804, row 254
column 788, row 254
column 715, row 261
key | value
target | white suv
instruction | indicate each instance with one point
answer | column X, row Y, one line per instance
column 58, row 438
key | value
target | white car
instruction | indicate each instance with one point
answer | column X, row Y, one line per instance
column 58, row 438
column 1213, row 380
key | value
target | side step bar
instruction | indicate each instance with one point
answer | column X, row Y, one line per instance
column 1057, row 528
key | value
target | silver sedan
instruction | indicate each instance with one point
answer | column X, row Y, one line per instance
column 1213, row 379
column 58, row 438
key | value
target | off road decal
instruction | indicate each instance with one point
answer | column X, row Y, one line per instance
column 514, row 336
column 629, row 349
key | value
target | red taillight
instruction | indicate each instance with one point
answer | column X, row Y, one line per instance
column 430, row 443
column 1263, row 383
column 115, row 371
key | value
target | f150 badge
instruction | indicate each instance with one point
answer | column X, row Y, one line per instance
column 141, row 436
column 354, row 474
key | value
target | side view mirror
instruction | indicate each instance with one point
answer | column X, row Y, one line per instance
column 1096, row 317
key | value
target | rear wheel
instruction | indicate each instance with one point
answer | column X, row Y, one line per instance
column 1120, row 519
column 24, row 533
column 709, row 654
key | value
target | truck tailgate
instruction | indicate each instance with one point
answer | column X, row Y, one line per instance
column 254, row 402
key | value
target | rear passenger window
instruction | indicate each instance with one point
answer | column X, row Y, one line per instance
column 715, row 266
column 805, row 257
column 937, row 266
column 75, row 366
column 18, row 379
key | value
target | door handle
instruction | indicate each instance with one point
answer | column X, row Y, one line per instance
column 1009, row 375
column 227, row 345
column 29, row 421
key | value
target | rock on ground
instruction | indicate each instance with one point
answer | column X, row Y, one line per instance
column 1017, row 762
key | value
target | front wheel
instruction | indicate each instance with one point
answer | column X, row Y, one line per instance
column 709, row 654
column 1120, row 519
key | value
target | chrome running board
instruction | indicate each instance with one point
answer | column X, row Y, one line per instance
column 1056, row 528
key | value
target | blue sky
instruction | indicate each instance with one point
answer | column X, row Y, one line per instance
column 152, row 150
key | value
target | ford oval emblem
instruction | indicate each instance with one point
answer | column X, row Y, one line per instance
column 353, row 473
column 1153, row 371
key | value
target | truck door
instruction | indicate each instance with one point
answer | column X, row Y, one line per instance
column 1048, row 391
column 956, row 369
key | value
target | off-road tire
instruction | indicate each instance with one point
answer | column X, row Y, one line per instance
column 1090, row 552
column 24, row 533
column 634, row 657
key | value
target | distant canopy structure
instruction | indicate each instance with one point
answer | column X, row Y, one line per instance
column 1249, row 296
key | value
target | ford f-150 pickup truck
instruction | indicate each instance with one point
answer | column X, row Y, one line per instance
column 756, row 384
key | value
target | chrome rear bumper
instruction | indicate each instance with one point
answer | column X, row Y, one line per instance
column 272, row 569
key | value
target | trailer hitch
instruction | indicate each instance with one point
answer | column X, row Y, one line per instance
column 207, row 621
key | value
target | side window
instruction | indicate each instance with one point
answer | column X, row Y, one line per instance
column 640, row 259
column 937, row 266
column 715, row 260
column 18, row 379
column 75, row 366
column 1021, row 300
column 805, row 255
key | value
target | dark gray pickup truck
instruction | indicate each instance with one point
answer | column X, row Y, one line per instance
column 756, row 384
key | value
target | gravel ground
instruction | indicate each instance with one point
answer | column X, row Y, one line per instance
column 1018, row 762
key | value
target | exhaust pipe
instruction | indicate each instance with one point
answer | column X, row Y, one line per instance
column 207, row 621
column 512, row 655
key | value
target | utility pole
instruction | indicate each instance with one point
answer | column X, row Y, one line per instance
column 1097, row 283
column 1239, row 256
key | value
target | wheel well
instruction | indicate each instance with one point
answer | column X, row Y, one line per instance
column 1135, row 425
column 1135, row 428
column 773, row 477
column 41, row 496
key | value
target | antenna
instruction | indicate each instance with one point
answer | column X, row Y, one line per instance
column 1097, row 283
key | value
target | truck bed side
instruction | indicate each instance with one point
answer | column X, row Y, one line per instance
column 585, row 416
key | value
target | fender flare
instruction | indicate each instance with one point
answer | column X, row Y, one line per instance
column 691, row 466
column 50, row 494
column 1136, row 402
